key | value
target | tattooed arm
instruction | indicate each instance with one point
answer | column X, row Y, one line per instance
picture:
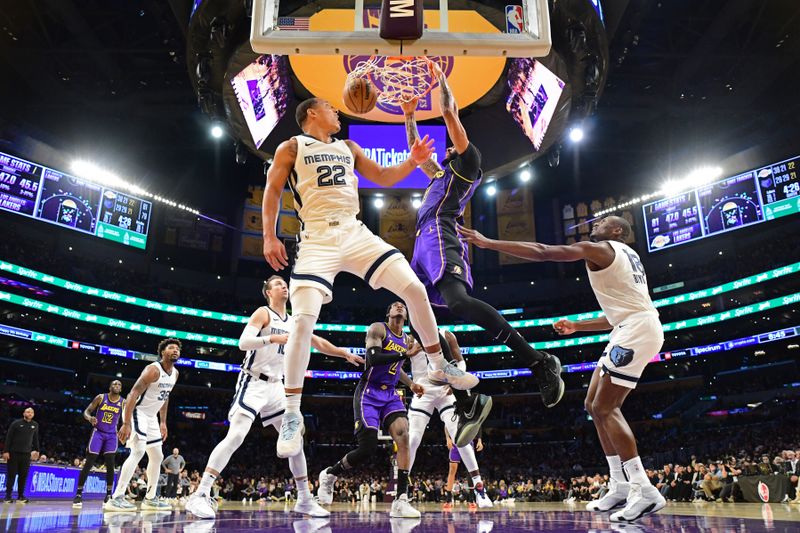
column 449, row 107
column 429, row 167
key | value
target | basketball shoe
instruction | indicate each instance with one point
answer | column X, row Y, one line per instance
column 326, row 484
column 470, row 419
column 616, row 496
column 642, row 500
column 548, row 375
column 290, row 440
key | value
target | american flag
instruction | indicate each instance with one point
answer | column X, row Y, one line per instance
column 293, row 23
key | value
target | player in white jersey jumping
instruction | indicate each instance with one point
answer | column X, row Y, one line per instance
column 619, row 283
column 321, row 174
column 439, row 397
column 259, row 394
column 141, row 430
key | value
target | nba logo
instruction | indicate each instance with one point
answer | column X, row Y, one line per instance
column 513, row 19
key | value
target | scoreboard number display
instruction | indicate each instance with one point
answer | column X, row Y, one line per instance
column 45, row 194
column 750, row 198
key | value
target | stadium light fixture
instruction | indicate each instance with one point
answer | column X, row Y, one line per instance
column 217, row 131
column 378, row 202
column 576, row 134
column 525, row 175
column 416, row 203
column 491, row 190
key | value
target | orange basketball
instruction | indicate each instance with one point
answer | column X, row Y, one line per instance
column 360, row 95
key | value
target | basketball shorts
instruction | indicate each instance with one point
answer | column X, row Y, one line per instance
column 438, row 250
column 455, row 455
column 339, row 245
column 434, row 399
column 256, row 398
column 103, row 442
column 376, row 407
column 632, row 344
column 146, row 429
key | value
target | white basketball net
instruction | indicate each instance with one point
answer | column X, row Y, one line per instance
column 396, row 79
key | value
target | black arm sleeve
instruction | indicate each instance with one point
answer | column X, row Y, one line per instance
column 35, row 447
column 468, row 164
column 375, row 356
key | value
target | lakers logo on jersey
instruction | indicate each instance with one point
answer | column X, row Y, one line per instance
column 438, row 175
column 394, row 347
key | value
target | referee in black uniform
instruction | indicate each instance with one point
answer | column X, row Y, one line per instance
column 22, row 445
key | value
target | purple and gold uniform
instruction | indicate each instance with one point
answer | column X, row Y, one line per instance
column 376, row 396
column 438, row 249
column 104, row 435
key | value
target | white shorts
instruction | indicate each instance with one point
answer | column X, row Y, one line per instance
column 632, row 344
column 327, row 248
column 435, row 398
column 146, row 429
column 258, row 398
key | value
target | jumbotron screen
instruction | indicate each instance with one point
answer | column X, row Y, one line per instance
column 45, row 194
column 756, row 196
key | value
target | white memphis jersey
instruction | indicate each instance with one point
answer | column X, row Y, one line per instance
column 621, row 288
column 323, row 180
column 154, row 396
column 269, row 359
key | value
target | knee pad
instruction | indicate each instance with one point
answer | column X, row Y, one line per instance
column 367, row 445
column 109, row 460
column 306, row 301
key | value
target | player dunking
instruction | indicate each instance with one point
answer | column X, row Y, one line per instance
column 141, row 429
column 321, row 174
column 376, row 405
column 107, row 409
column 619, row 283
column 440, row 257
column 438, row 396
column 259, row 394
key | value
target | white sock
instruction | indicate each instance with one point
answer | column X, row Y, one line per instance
column 206, row 483
column 635, row 471
column 437, row 359
column 475, row 480
column 303, row 493
column 293, row 402
column 615, row 468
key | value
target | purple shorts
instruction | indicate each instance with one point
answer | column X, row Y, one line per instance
column 372, row 405
column 103, row 442
column 455, row 455
column 438, row 250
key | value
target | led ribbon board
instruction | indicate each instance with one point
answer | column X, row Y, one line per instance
column 747, row 281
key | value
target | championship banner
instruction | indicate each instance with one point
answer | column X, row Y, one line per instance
column 515, row 219
column 469, row 77
column 51, row 481
column 764, row 489
column 398, row 224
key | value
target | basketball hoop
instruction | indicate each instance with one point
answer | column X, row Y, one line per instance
column 396, row 79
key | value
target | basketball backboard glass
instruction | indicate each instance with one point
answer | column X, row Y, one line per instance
column 318, row 29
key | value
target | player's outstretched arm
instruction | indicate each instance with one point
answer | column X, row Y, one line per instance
column 567, row 327
column 278, row 173
column 429, row 167
column 416, row 388
column 328, row 348
column 91, row 408
column 600, row 254
column 421, row 151
column 449, row 107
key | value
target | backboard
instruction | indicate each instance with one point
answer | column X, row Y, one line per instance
column 525, row 32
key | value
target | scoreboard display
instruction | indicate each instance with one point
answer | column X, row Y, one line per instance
column 45, row 194
column 750, row 198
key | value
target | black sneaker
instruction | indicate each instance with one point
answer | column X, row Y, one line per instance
column 548, row 376
column 470, row 419
column 77, row 501
column 23, row 500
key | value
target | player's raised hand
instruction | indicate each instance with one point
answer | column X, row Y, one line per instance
column 275, row 253
column 564, row 327
column 421, row 151
column 473, row 237
column 410, row 106
column 435, row 69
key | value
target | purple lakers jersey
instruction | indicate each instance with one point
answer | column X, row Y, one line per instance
column 108, row 414
column 387, row 375
column 447, row 195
